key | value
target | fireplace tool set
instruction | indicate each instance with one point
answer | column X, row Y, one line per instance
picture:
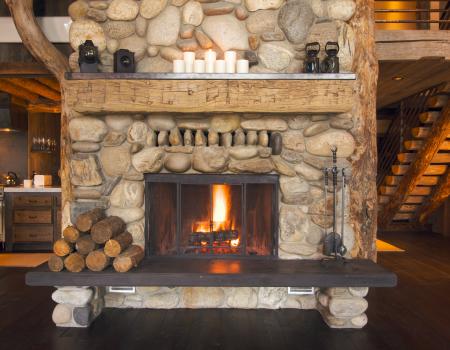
column 333, row 245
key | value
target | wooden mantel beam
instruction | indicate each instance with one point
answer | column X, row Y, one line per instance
column 35, row 40
column 440, row 194
column 439, row 132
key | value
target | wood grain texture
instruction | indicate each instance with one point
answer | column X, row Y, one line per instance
column 36, row 87
column 440, row 194
column 363, row 191
column 416, row 170
column 143, row 96
column 34, row 39
column 411, row 44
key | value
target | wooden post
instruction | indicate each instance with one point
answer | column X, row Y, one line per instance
column 363, row 191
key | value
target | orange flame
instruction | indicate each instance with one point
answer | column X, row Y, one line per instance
column 221, row 196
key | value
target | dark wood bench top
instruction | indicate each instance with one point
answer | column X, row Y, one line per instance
column 226, row 273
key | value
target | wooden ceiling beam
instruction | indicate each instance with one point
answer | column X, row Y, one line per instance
column 438, row 197
column 44, row 108
column 410, row 180
column 23, row 69
column 51, row 83
column 37, row 88
column 17, row 91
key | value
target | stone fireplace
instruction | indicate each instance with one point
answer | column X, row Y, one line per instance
column 210, row 169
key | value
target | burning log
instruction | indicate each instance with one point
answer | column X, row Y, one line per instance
column 87, row 220
column 62, row 248
column 114, row 247
column 106, row 229
column 85, row 245
column 209, row 238
column 75, row 262
column 128, row 259
column 71, row 234
column 97, row 260
column 56, row 263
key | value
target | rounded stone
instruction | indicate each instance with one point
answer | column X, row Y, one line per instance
column 112, row 45
column 224, row 123
column 358, row 291
column 87, row 129
column 314, row 235
column 122, row 10
column 275, row 55
column 163, row 300
column 292, row 156
column 308, row 172
column 319, row 8
column 118, row 122
column 128, row 194
column 115, row 161
column 271, row 297
column 178, row 162
column 164, row 122
column 152, row 51
column 296, row 19
column 254, row 166
column 210, row 159
column 62, row 313
column 163, row 30
column 135, row 44
column 170, row 54
column 359, row 321
column 294, row 224
column 73, row 296
column 87, row 29
column 137, row 133
column 294, row 190
column 128, row 215
column 347, row 307
column 202, row 297
column 85, row 147
column 316, row 128
column 137, row 231
column 320, row 145
column 242, row 152
column 119, row 29
column 241, row 13
column 149, row 160
column 152, row 8
column 341, row 123
column 265, row 123
column 294, row 141
column 192, row 13
column 227, row 32
column 341, row 10
column 242, row 298
column 78, row 10
column 296, row 250
column 262, row 22
column 97, row 15
column 282, row 167
column 154, row 65
column 141, row 26
column 255, row 5
column 299, row 122
column 194, row 123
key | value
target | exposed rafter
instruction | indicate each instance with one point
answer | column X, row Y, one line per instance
column 17, row 91
column 417, row 169
column 37, row 88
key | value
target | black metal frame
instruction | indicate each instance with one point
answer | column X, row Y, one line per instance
column 209, row 179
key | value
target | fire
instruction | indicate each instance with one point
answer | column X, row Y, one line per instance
column 221, row 197
column 235, row 242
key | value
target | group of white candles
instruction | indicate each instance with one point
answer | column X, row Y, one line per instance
column 210, row 64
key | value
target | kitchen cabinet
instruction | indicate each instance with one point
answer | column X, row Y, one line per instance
column 32, row 219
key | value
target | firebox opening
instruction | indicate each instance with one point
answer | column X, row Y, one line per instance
column 211, row 215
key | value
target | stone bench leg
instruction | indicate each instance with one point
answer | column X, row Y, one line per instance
column 343, row 307
column 77, row 306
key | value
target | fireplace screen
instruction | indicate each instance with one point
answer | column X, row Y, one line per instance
column 211, row 215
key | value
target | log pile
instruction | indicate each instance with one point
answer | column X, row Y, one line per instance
column 95, row 242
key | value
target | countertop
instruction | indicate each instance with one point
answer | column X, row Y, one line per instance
column 21, row 189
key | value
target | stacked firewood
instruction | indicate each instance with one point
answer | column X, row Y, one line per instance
column 95, row 242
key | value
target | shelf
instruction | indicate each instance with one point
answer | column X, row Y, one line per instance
column 177, row 272
column 209, row 76
column 238, row 93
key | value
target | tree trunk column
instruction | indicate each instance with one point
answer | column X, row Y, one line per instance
column 343, row 307
column 77, row 306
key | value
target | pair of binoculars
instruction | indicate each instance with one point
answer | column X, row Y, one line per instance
column 89, row 59
column 330, row 64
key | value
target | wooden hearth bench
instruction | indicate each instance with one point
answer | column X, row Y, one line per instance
column 178, row 272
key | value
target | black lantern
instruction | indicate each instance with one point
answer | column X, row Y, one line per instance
column 311, row 64
column 88, row 57
column 124, row 61
column 330, row 64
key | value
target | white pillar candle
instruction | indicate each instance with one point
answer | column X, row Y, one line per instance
column 210, row 60
column 230, row 61
column 242, row 66
column 178, row 66
column 189, row 58
column 199, row 66
column 219, row 66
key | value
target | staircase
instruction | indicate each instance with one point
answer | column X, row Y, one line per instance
column 408, row 134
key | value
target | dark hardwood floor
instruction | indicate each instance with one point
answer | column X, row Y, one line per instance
column 415, row 315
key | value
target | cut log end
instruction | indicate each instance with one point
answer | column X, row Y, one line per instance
column 114, row 247
column 87, row 220
column 106, row 229
column 97, row 260
column 55, row 263
column 128, row 259
column 71, row 234
column 85, row 245
column 62, row 248
column 75, row 262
